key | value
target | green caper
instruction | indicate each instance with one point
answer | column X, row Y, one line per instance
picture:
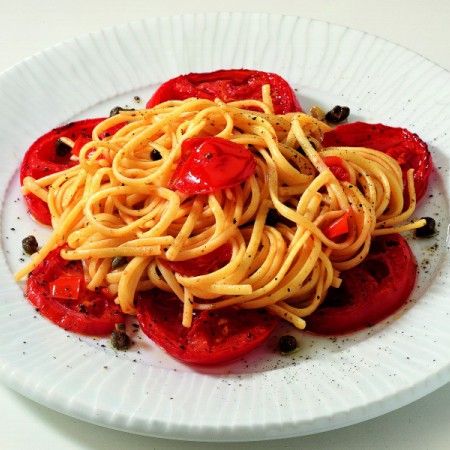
column 337, row 114
column 30, row 245
column 273, row 217
column 287, row 344
column 118, row 261
column 119, row 338
column 62, row 148
column 429, row 229
column 117, row 109
column 155, row 155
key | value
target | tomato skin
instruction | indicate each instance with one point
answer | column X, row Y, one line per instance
column 215, row 337
column 370, row 292
column 208, row 164
column 78, row 145
column 402, row 145
column 93, row 313
column 336, row 166
column 228, row 85
column 41, row 160
column 202, row 264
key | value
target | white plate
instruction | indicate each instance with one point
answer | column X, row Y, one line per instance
column 331, row 382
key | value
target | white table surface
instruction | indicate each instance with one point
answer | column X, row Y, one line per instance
column 27, row 26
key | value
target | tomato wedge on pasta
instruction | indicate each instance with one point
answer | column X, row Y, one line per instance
column 208, row 164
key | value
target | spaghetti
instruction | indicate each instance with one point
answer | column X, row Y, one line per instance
column 116, row 203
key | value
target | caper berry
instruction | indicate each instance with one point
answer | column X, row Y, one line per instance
column 118, row 261
column 30, row 245
column 429, row 229
column 337, row 114
column 62, row 148
column 155, row 155
column 287, row 344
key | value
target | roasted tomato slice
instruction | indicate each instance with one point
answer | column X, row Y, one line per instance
column 228, row 85
column 215, row 336
column 208, row 164
column 202, row 264
column 74, row 308
column 370, row 292
column 46, row 156
column 402, row 145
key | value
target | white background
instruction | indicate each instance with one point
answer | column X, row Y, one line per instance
column 27, row 26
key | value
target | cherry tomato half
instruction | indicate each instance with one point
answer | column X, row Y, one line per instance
column 215, row 336
column 402, row 145
column 91, row 313
column 228, row 85
column 370, row 292
column 208, row 164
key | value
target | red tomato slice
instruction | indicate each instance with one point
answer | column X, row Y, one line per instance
column 371, row 291
column 91, row 313
column 113, row 130
column 208, row 164
column 82, row 140
column 337, row 228
column 41, row 159
column 336, row 166
column 402, row 145
column 228, row 85
column 215, row 336
column 202, row 264
column 78, row 144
